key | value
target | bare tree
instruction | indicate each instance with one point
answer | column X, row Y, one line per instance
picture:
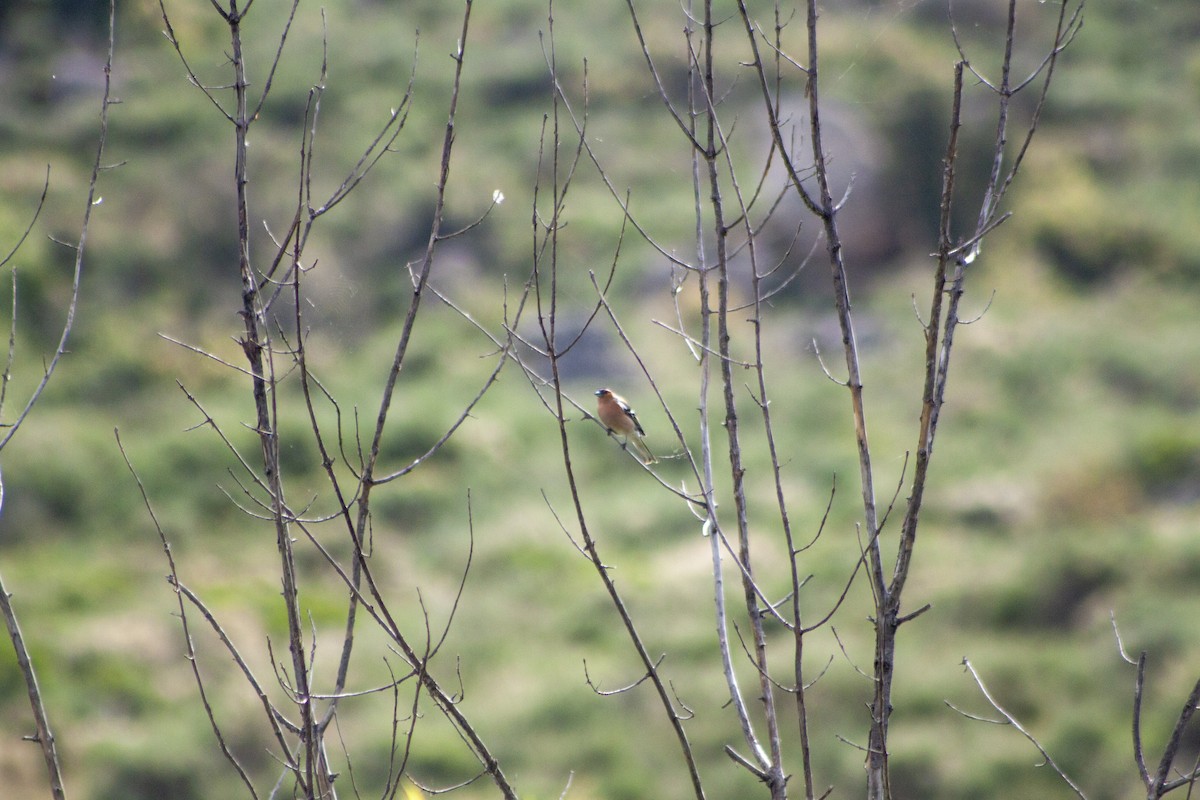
column 731, row 212
column 1166, row 777
column 280, row 379
column 735, row 201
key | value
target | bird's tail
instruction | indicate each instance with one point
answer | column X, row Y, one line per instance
column 643, row 451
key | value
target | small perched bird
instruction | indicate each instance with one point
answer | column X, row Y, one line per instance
column 619, row 418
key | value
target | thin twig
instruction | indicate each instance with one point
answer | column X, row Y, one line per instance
column 1011, row 720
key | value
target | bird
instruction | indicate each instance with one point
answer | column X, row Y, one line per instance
column 619, row 418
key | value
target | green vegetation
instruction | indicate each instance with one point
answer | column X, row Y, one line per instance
column 1066, row 482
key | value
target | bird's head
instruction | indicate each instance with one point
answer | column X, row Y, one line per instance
column 603, row 393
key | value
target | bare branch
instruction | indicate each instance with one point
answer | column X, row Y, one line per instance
column 1011, row 720
column 595, row 687
column 44, row 737
column 1138, row 687
column 1120, row 645
column 190, row 652
column 80, row 246
column 1160, row 784
column 37, row 212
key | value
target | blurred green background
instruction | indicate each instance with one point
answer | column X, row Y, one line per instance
column 1065, row 486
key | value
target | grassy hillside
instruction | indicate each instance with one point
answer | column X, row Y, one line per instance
column 1066, row 482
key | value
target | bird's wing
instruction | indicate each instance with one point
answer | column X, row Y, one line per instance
column 633, row 416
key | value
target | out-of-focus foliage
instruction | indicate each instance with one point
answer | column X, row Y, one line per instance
column 1065, row 480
